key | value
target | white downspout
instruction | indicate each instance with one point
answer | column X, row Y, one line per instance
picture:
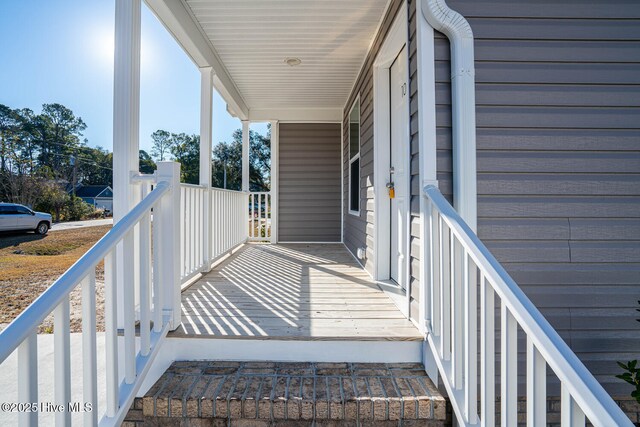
column 463, row 103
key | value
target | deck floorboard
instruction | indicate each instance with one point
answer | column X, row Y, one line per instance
column 291, row 291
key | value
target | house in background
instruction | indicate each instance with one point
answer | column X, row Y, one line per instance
column 454, row 214
column 98, row 196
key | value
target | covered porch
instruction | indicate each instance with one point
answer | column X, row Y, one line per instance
column 291, row 292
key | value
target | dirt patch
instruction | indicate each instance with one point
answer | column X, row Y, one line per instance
column 29, row 264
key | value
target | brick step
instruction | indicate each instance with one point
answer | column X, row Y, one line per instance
column 260, row 394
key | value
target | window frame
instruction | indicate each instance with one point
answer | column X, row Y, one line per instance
column 353, row 158
column 19, row 210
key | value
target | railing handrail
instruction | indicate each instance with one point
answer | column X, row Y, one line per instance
column 185, row 184
column 588, row 393
column 27, row 321
column 204, row 187
column 229, row 191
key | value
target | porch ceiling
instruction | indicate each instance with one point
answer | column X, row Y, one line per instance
column 253, row 37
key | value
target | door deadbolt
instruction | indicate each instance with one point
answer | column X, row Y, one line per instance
column 392, row 190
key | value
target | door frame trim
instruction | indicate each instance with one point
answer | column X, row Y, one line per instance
column 396, row 39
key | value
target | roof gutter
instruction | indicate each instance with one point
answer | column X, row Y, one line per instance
column 463, row 103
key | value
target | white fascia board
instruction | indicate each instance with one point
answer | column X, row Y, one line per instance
column 182, row 25
column 296, row 114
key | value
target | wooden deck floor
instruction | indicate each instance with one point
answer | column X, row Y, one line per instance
column 292, row 291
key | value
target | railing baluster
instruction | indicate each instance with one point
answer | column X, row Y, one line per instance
column 157, row 292
column 111, row 332
column 536, row 387
column 509, row 368
column 216, row 230
column 488, row 352
column 267, row 222
column 183, row 220
column 570, row 413
column 471, row 339
column 241, row 216
column 192, row 230
column 434, row 277
column 234, row 218
column 201, row 240
column 128, row 307
column 445, row 291
column 89, row 362
column 263, row 215
column 227, row 232
column 62, row 361
column 457, row 330
column 28, row 379
column 251, row 226
column 199, row 232
column 195, row 261
column 145, row 279
column 189, row 236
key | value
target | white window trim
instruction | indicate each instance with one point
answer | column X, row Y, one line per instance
column 354, row 158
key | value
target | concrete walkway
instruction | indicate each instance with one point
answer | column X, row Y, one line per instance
column 81, row 224
column 9, row 379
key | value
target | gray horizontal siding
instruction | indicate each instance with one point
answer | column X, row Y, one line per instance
column 415, row 167
column 309, row 205
column 558, row 134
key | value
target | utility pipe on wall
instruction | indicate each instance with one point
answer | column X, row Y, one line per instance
column 463, row 103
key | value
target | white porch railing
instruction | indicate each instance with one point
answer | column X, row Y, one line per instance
column 229, row 220
column 192, row 229
column 460, row 268
column 226, row 229
column 260, row 216
column 152, row 279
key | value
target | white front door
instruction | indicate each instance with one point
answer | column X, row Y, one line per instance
column 398, row 171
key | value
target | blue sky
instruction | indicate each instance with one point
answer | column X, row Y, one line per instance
column 62, row 51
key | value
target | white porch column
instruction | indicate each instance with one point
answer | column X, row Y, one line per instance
column 126, row 124
column 126, row 104
column 245, row 155
column 169, row 221
column 206, row 107
column 274, row 181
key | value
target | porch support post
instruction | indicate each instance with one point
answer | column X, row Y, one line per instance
column 126, row 125
column 274, row 181
column 245, row 155
column 206, row 107
column 169, row 221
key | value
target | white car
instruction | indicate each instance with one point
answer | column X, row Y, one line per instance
column 14, row 217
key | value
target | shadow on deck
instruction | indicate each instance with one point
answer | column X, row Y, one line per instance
column 291, row 292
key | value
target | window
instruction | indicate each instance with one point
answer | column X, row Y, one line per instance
column 21, row 210
column 9, row 210
column 354, row 158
